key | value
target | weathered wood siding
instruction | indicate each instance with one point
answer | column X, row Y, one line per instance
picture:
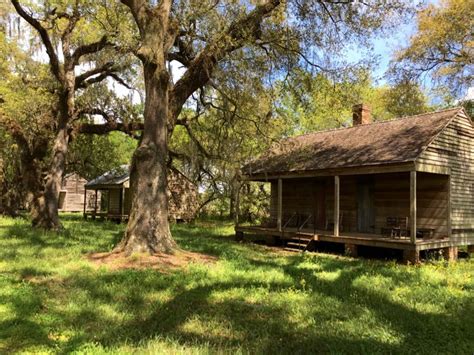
column 273, row 200
column 347, row 202
column 73, row 187
column 128, row 202
column 114, row 201
column 301, row 197
column 432, row 203
column 454, row 148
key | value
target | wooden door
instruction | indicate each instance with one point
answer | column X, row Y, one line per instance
column 365, row 206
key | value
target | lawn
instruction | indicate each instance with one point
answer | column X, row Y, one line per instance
column 253, row 299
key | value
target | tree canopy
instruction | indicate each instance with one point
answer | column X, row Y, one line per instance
column 253, row 72
column 443, row 45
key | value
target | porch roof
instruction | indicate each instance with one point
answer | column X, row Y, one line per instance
column 113, row 178
column 378, row 144
column 119, row 177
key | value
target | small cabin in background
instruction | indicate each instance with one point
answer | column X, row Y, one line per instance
column 72, row 193
column 403, row 184
column 109, row 196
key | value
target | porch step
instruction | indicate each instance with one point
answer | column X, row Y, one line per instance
column 296, row 245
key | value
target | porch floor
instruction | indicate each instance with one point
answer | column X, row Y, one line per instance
column 373, row 240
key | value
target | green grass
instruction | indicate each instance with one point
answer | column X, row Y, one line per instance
column 253, row 300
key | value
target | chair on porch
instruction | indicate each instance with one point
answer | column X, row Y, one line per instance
column 330, row 224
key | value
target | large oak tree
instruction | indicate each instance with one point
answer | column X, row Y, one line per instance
column 205, row 37
column 81, row 52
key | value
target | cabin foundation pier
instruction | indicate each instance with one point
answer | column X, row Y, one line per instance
column 450, row 253
column 273, row 240
column 411, row 256
column 239, row 236
column 351, row 250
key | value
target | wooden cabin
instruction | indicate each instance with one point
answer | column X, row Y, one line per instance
column 405, row 184
column 110, row 196
column 71, row 195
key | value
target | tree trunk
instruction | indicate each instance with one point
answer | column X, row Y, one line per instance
column 232, row 201
column 44, row 209
column 148, row 227
column 34, row 186
column 9, row 201
column 10, row 188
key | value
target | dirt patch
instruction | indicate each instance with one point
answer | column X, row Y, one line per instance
column 160, row 261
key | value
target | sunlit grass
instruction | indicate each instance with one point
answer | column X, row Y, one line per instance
column 253, row 299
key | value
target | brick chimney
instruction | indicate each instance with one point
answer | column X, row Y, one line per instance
column 361, row 115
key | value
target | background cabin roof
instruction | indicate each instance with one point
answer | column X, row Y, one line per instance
column 387, row 142
column 115, row 177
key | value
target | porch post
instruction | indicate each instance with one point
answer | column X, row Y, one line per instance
column 280, row 200
column 449, row 208
column 413, row 206
column 122, row 202
column 95, row 204
column 108, row 203
column 237, row 205
column 85, row 202
column 336, row 205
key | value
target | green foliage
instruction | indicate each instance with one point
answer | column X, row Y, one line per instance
column 25, row 120
column 311, row 103
column 469, row 107
column 442, row 46
column 92, row 155
column 405, row 99
column 251, row 300
column 245, row 118
column 215, row 144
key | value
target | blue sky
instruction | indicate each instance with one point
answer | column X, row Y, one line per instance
column 384, row 48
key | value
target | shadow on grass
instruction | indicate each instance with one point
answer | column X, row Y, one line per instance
column 90, row 236
column 254, row 300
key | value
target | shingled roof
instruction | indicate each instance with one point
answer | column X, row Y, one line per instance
column 387, row 142
column 118, row 176
column 115, row 177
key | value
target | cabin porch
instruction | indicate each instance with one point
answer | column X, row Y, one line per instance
column 378, row 210
column 111, row 203
column 351, row 240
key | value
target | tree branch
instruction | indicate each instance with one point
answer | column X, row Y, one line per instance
column 101, row 77
column 197, row 142
column 138, row 9
column 201, row 68
column 107, row 67
column 53, row 58
column 100, row 129
column 90, row 49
